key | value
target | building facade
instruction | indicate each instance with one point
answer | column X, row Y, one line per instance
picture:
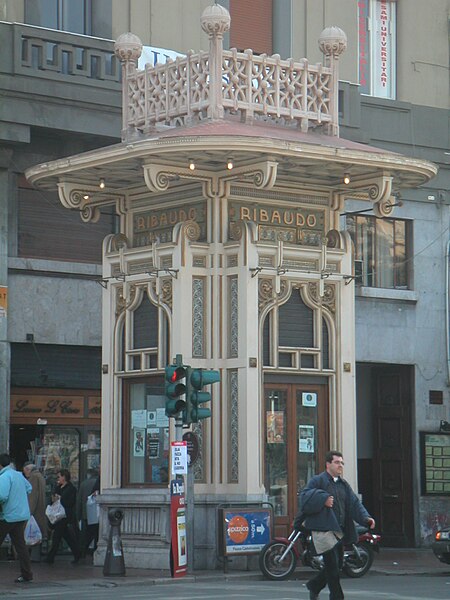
column 213, row 261
column 393, row 95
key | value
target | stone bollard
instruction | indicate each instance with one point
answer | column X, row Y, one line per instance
column 114, row 561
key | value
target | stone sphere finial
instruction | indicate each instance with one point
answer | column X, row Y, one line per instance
column 215, row 20
column 128, row 47
column 333, row 41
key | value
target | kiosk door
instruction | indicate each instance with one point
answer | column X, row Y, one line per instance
column 296, row 435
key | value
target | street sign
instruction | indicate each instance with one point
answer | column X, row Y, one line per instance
column 246, row 531
column 179, row 458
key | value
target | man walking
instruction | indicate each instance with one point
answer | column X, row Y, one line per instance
column 14, row 513
column 330, row 507
column 36, row 501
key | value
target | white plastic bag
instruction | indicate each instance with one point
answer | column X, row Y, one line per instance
column 32, row 533
column 92, row 510
column 55, row 512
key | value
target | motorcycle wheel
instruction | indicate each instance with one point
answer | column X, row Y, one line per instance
column 269, row 561
column 355, row 568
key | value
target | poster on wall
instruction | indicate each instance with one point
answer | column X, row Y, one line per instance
column 306, row 438
column 153, row 443
column 309, row 399
column 275, row 426
column 138, row 442
column 139, row 419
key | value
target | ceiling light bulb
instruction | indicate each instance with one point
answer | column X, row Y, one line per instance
column 101, row 183
column 229, row 164
column 86, row 197
column 191, row 165
column 346, row 178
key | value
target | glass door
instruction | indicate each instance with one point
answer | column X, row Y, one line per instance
column 296, row 435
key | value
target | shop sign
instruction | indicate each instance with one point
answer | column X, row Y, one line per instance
column 71, row 407
column 158, row 224
column 178, row 563
column 302, row 226
column 246, row 531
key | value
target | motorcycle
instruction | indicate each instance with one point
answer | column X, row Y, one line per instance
column 278, row 559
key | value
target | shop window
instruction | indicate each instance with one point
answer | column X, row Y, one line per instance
column 146, row 434
column 377, row 47
column 296, row 323
column 49, row 231
column 295, row 336
column 144, row 347
column 381, row 251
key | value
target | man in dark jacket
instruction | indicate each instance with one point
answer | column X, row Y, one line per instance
column 330, row 507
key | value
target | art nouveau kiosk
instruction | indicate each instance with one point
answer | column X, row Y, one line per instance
column 228, row 185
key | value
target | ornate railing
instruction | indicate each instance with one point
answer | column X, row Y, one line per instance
column 218, row 83
column 46, row 53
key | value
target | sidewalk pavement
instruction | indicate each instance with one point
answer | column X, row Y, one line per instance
column 389, row 561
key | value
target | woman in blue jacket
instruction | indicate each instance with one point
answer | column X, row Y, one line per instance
column 14, row 513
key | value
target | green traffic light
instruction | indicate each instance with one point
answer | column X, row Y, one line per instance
column 174, row 389
column 196, row 379
column 201, row 377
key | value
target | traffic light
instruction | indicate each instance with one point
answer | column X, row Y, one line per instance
column 174, row 389
column 196, row 379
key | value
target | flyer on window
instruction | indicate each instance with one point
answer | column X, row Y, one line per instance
column 275, row 426
column 306, row 438
column 138, row 442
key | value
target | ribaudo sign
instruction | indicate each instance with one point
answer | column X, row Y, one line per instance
column 246, row 531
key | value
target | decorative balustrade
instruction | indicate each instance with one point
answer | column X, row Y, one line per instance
column 219, row 83
column 47, row 53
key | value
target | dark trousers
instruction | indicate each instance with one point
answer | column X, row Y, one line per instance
column 332, row 561
column 68, row 531
column 16, row 532
column 89, row 533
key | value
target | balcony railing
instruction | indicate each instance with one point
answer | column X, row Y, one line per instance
column 63, row 56
column 219, row 83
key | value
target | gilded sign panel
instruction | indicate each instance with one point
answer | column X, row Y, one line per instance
column 158, row 224
column 299, row 225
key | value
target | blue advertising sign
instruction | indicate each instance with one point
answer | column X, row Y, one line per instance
column 246, row 531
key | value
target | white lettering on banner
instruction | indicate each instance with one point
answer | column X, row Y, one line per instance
column 179, row 458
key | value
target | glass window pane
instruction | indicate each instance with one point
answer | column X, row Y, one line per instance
column 385, row 253
column 148, row 435
column 42, row 12
column 74, row 16
column 382, row 246
column 401, row 266
column 276, row 476
column 307, row 421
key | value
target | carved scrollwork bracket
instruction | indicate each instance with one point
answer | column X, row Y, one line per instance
column 377, row 190
column 89, row 199
column 262, row 174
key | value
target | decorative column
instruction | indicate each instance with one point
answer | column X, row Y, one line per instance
column 215, row 21
column 128, row 48
column 333, row 42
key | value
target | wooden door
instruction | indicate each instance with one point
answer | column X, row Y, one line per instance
column 393, row 468
column 296, row 437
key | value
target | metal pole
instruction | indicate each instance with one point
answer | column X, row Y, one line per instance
column 190, row 518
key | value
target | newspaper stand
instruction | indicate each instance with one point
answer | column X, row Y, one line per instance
column 243, row 529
